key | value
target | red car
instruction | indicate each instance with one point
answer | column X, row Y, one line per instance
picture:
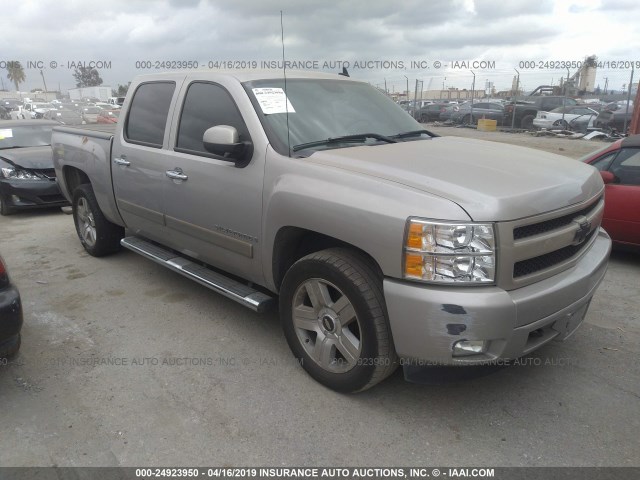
column 619, row 165
column 108, row 116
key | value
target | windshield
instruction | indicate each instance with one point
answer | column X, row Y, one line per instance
column 25, row 136
column 321, row 109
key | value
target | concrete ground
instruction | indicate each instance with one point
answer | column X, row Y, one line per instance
column 126, row 363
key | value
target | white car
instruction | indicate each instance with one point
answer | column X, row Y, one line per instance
column 553, row 119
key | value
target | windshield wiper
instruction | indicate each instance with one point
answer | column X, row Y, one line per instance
column 359, row 137
column 414, row 133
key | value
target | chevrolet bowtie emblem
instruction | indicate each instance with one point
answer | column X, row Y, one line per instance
column 584, row 227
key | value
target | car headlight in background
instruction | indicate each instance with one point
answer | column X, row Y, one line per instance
column 449, row 252
column 19, row 174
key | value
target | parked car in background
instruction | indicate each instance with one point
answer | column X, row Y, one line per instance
column 27, row 177
column 525, row 111
column 619, row 165
column 469, row 114
column 36, row 109
column 90, row 114
column 613, row 116
column 5, row 114
column 108, row 116
column 431, row 112
column 10, row 315
column 449, row 110
column 562, row 117
column 116, row 102
column 65, row 116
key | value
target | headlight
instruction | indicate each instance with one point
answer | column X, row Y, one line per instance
column 449, row 252
column 18, row 174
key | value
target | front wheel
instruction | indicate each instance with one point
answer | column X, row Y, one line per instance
column 98, row 235
column 5, row 209
column 335, row 320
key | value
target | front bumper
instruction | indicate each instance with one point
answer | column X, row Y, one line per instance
column 24, row 194
column 426, row 320
column 10, row 318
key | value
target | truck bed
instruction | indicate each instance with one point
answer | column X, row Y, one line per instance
column 97, row 130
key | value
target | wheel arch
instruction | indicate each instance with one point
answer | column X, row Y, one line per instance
column 293, row 243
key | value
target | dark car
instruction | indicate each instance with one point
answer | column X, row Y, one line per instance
column 65, row 116
column 469, row 114
column 431, row 112
column 27, row 177
column 613, row 116
column 619, row 165
column 10, row 315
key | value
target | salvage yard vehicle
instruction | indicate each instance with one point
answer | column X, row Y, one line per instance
column 526, row 111
column 563, row 117
column 387, row 245
column 619, row 165
column 614, row 116
column 27, row 177
column 10, row 315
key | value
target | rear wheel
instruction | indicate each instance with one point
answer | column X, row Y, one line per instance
column 527, row 122
column 467, row 120
column 334, row 319
column 98, row 235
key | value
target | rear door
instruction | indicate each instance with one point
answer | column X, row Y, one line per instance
column 139, row 160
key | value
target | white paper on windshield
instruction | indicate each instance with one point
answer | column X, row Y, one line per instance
column 273, row 100
column 5, row 133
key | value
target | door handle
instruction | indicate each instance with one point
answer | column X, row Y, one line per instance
column 122, row 161
column 176, row 174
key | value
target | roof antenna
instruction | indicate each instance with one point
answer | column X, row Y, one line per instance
column 284, row 74
column 344, row 72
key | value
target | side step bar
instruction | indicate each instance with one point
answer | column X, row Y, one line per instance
column 230, row 288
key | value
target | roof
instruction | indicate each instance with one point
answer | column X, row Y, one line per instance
column 631, row 141
column 25, row 123
column 247, row 75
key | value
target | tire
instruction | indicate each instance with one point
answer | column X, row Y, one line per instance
column 467, row 120
column 5, row 209
column 424, row 118
column 342, row 337
column 12, row 350
column 98, row 236
column 562, row 124
column 527, row 122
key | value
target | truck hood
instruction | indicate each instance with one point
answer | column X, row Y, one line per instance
column 36, row 158
column 491, row 181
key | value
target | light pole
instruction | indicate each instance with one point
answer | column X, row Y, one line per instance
column 45, row 85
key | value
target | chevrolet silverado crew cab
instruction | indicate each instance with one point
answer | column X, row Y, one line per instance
column 385, row 244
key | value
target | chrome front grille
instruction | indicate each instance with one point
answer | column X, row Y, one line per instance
column 535, row 248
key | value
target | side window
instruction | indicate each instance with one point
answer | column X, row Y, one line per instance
column 207, row 105
column 626, row 166
column 603, row 163
column 148, row 113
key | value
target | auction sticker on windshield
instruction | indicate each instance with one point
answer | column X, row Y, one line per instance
column 273, row 100
column 6, row 133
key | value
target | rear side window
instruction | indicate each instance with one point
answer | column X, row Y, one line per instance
column 207, row 105
column 148, row 113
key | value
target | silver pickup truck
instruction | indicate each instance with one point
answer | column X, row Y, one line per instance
column 385, row 245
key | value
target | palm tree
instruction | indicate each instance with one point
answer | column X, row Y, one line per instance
column 16, row 73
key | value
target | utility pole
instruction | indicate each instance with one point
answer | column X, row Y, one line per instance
column 473, row 91
column 564, row 99
column 606, row 84
column 513, row 115
column 407, row 86
column 45, row 85
column 385, row 87
column 626, row 112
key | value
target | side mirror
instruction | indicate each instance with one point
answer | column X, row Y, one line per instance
column 224, row 140
column 608, row 177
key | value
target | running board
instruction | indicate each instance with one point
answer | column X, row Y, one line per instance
column 230, row 288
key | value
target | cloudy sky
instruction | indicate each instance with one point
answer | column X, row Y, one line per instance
column 387, row 35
